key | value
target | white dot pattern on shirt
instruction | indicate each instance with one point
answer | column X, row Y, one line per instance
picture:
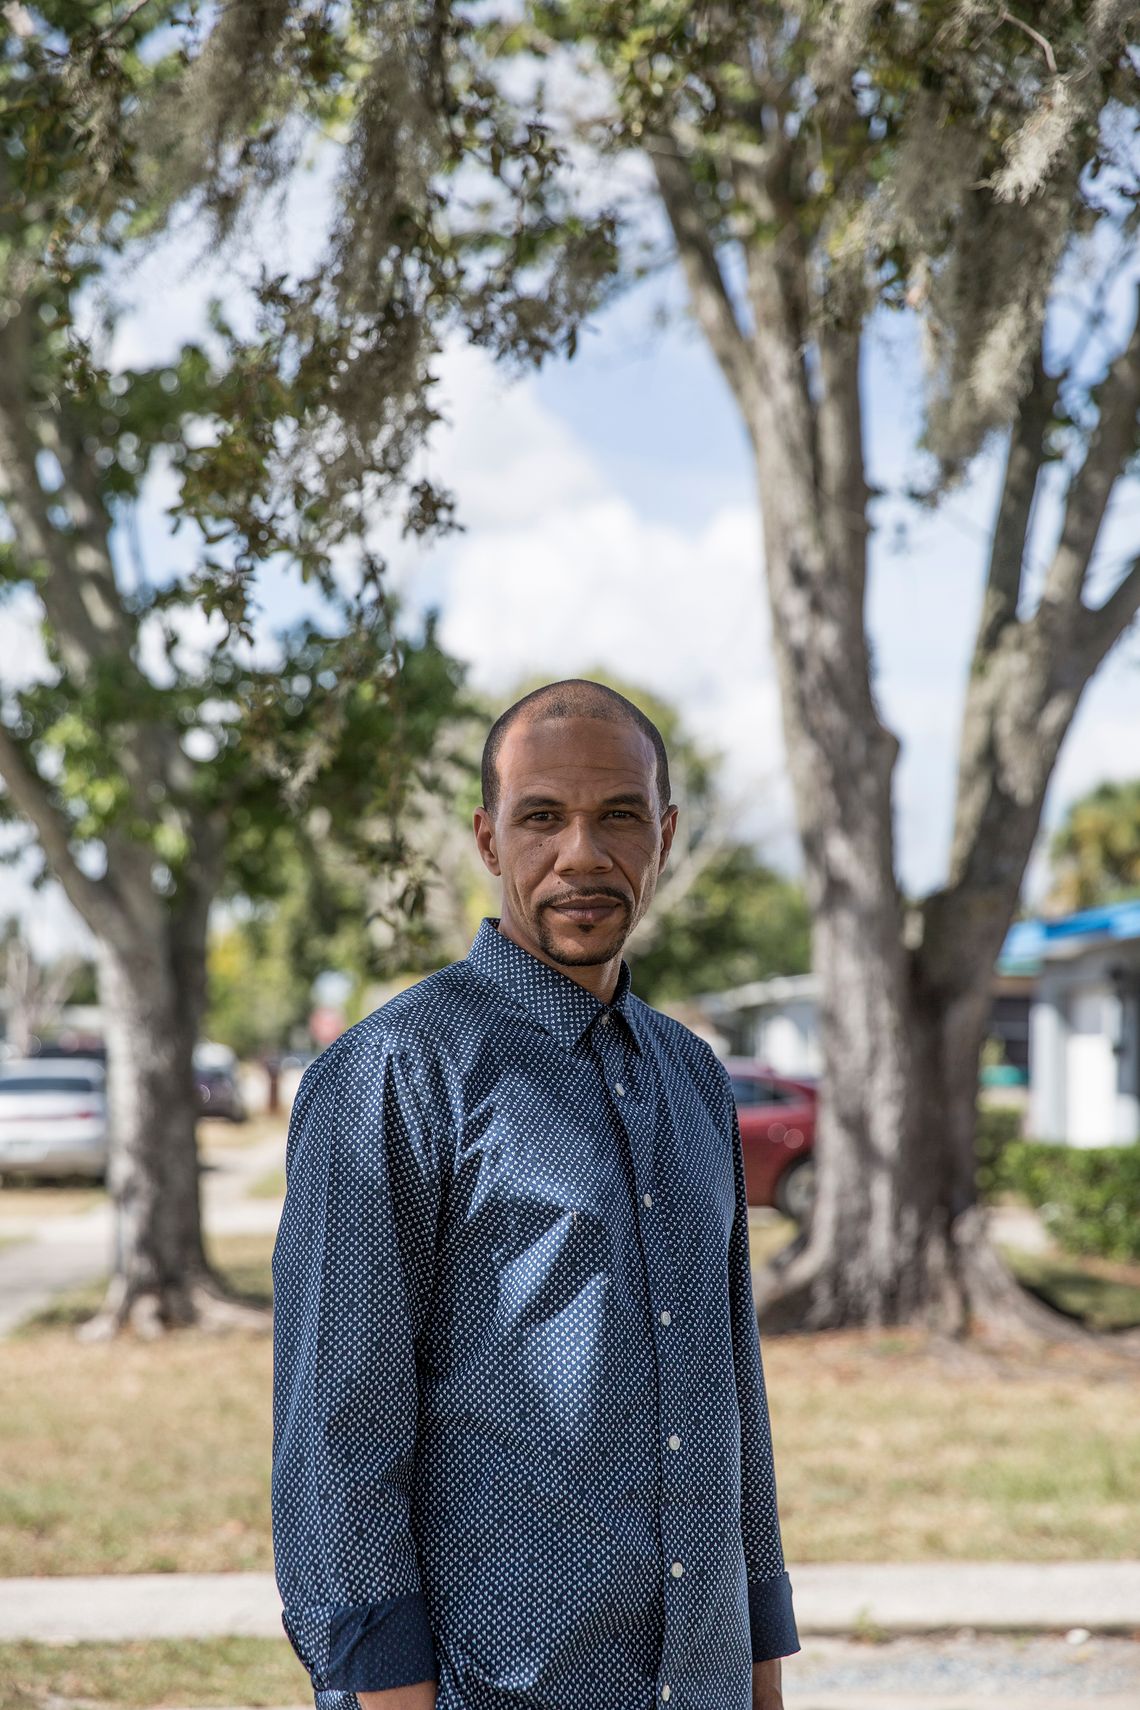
column 470, row 1410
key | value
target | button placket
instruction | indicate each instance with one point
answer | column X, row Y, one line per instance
column 637, row 1117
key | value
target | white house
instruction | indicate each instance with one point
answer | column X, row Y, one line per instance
column 1066, row 1005
column 773, row 1020
column 1084, row 1039
column 777, row 1021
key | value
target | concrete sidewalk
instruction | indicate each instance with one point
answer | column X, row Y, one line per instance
column 844, row 1599
column 796, row 1698
column 807, row 1699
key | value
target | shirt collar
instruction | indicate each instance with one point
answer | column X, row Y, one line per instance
column 558, row 1003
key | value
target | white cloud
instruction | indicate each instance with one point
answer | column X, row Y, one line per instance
column 558, row 572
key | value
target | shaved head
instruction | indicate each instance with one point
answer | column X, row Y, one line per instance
column 574, row 697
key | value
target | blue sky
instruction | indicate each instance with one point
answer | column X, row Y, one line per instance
column 611, row 518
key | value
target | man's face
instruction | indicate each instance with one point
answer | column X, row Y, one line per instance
column 579, row 837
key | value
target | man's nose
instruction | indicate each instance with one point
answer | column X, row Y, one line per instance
column 581, row 849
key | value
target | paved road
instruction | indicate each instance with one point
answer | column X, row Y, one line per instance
column 54, row 1254
column 966, row 1669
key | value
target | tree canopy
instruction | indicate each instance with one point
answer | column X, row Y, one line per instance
column 1095, row 852
column 167, row 741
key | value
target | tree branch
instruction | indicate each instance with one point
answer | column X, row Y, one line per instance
column 79, row 591
column 839, row 441
column 1101, row 627
column 712, row 304
column 1035, row 35
column 1112, row 442
column 1015, row 508
column 33, row 797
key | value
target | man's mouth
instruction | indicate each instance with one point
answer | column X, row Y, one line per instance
column 586, row 913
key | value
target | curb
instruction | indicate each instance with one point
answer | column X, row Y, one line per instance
column 838, row 1599
column 991, row 1597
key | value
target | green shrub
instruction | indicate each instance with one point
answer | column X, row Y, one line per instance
column 1088, row 1197
column 999, row 1126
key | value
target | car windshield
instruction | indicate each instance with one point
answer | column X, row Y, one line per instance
column 46, row 1083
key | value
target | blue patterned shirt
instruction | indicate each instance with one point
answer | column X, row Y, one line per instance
column 520, row 1432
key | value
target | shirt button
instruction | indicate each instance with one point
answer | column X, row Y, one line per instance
column 666, row 1690
column 606, row 1019
column 647, row 1199
column 677, row 1569
column 619, row 1089
column 674, row 1441
column 666, row 1316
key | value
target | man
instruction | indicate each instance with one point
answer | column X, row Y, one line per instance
column 521, row 1452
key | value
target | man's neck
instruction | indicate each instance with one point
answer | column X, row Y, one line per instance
column 599, row 978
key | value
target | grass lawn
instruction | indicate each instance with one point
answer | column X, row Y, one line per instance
column 35, row 1198
column 1102, row 1292
column 216, row 1135
column 153, row 1672
column 135, row 1458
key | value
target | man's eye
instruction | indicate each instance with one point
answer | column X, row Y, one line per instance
column 539, row 813
column 623, row 813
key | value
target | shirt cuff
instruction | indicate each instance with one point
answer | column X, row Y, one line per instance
column 771, row 1619
column 373, row 1646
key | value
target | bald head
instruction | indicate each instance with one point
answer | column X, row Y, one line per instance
column 574, row 697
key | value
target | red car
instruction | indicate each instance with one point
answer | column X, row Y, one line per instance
column 777, row 1129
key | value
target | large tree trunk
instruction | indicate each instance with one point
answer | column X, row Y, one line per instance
column 153, row 1168
column 897, row 1234
column 151, row 992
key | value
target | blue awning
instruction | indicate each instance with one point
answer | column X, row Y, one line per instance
column 1027, row 942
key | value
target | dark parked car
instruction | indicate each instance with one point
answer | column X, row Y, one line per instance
column 777, row 1131
column 215, row 1075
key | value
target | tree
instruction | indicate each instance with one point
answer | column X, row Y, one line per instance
column 169, row 748
column 257, row 996
column 740, row 921
column 818, row 162
column 333, row 912
column 34, row 992
column 1095, row 854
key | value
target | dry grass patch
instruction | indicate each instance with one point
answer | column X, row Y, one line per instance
column 269, row 1186
column 152, row 1673
column 217, row 1135
column 129, row 1458
column 34, row 1198
column 888, row 1450
column 132, row 1458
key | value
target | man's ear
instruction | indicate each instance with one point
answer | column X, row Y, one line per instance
column 484, row 828
column 668, row 832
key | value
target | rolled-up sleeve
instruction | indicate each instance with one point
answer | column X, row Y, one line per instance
column 770, row 1611
column 353, row 1264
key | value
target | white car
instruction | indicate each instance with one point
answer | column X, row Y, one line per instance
column 53, row 1117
